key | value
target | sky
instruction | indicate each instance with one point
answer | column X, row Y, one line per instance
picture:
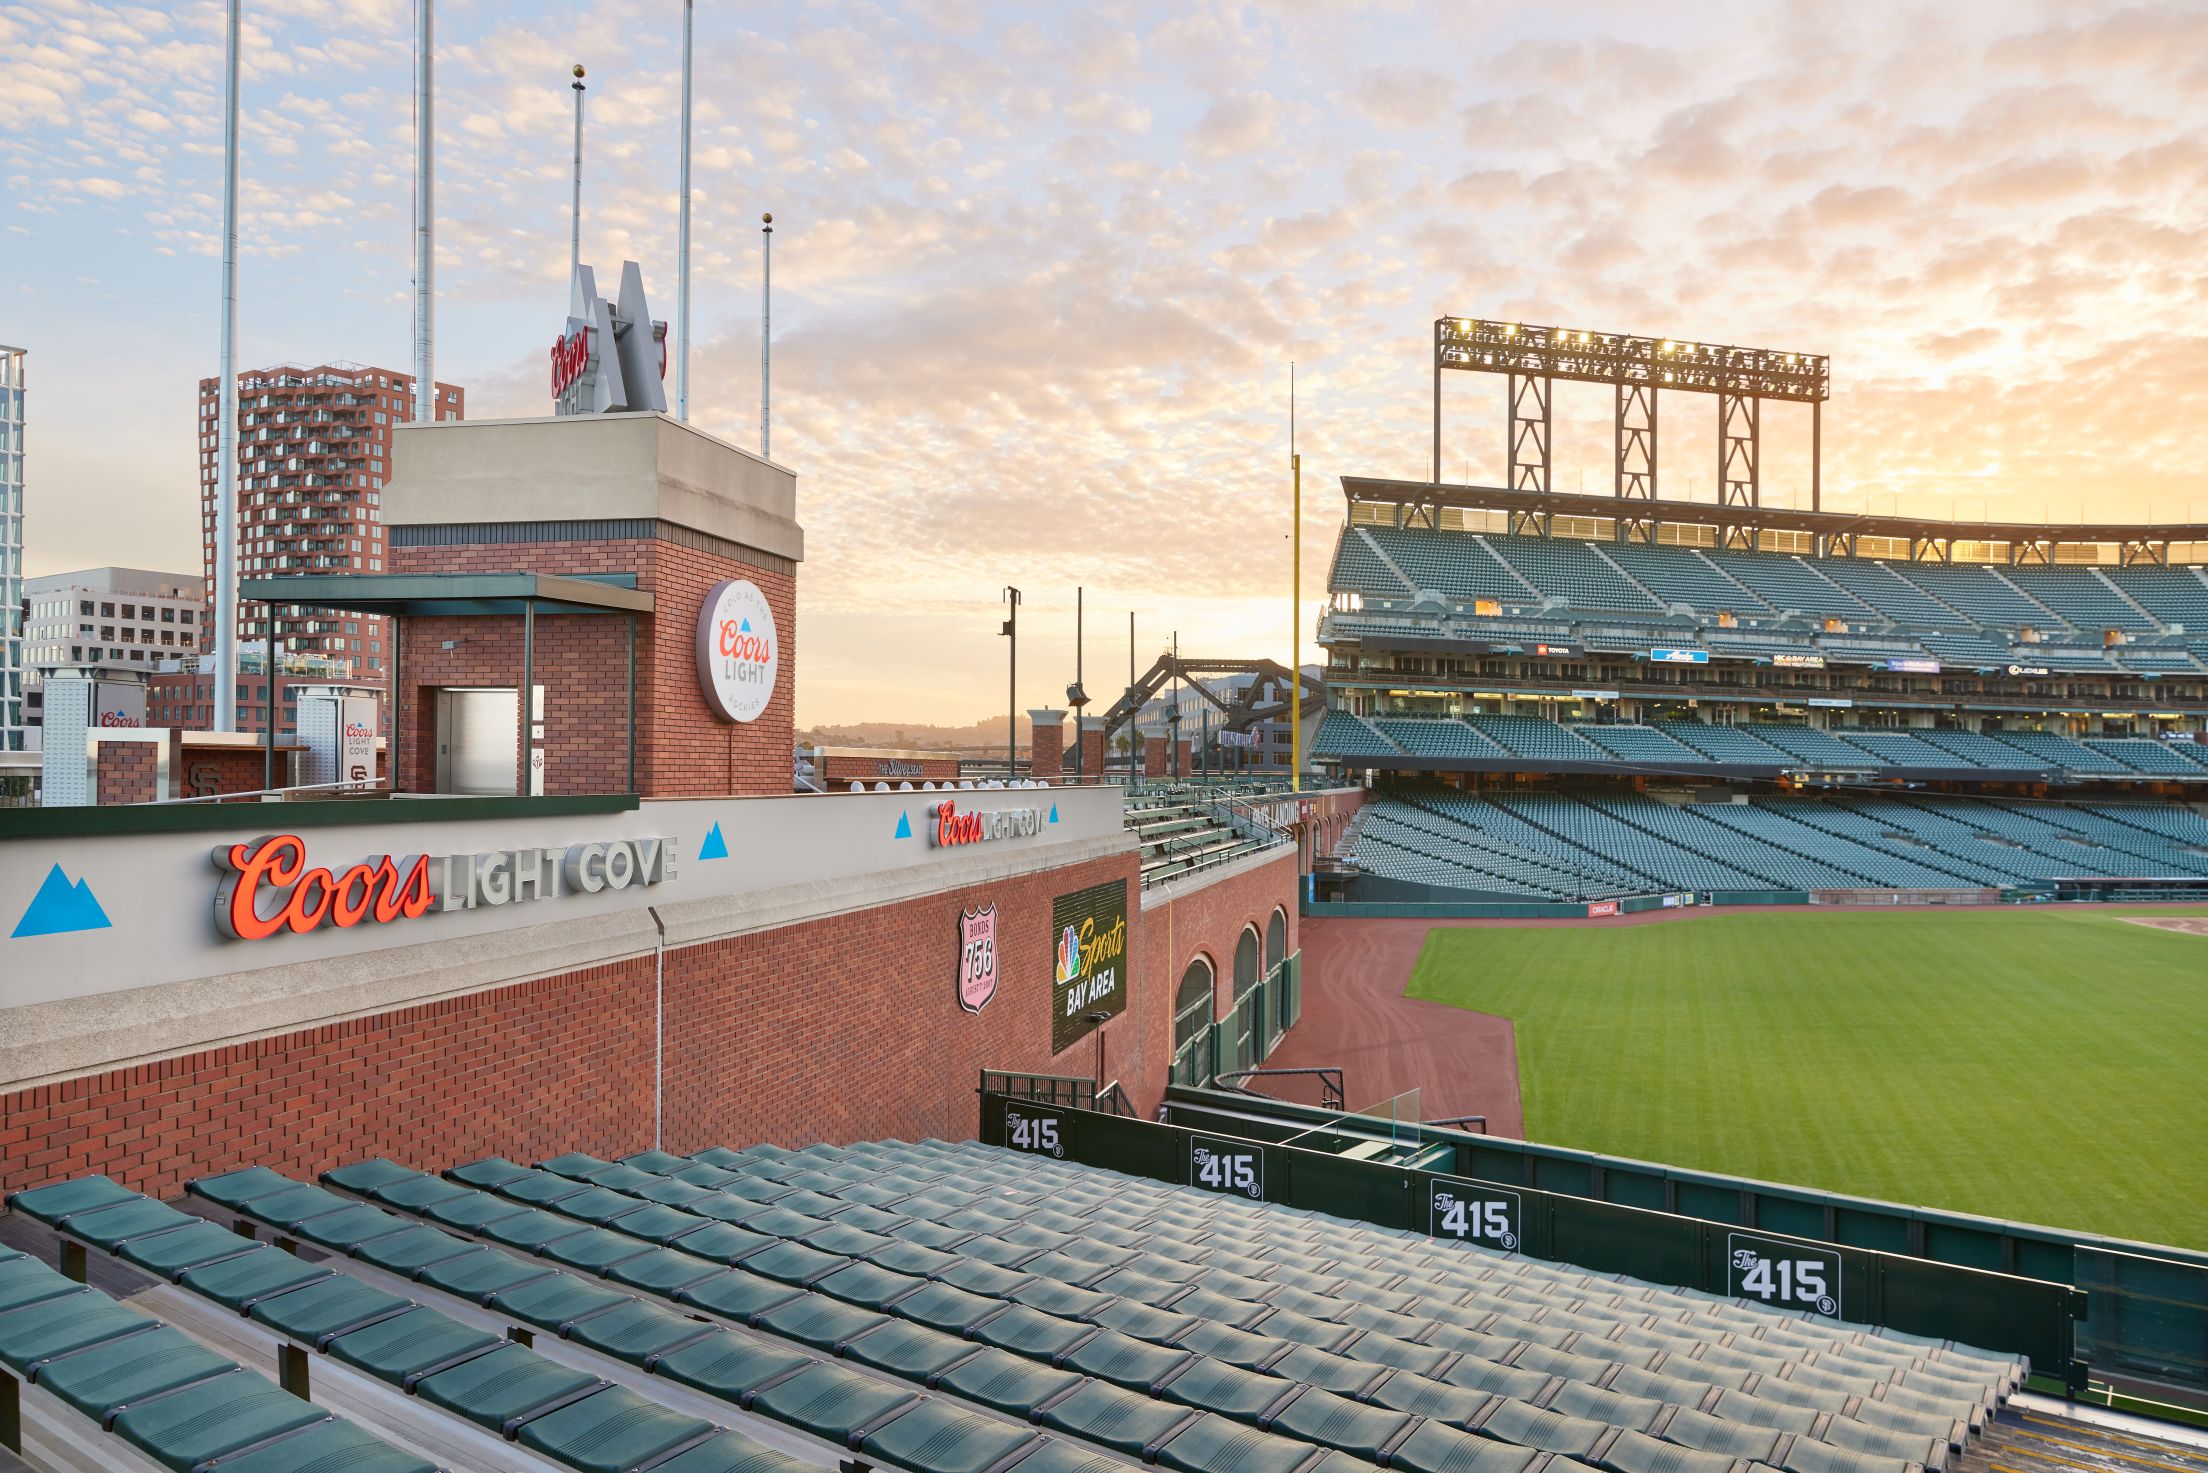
column 1040, row 270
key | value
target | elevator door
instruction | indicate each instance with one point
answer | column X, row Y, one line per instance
column 476, row 740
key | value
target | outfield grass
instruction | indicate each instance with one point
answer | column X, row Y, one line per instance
column 2049, row 1066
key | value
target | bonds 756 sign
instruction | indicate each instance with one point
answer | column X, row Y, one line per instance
column 1089, row 970
column 738, row 655
column 1475, row 1212
column 1785, row 1275
column 1234, row 1167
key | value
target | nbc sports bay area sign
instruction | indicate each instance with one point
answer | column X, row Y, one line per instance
column 738, row 654
column 1089, row 970
column 1236, row 1168
column 1783, row 1274
column 1475, row 1212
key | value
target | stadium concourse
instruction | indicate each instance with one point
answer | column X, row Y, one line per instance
column 1566, row 699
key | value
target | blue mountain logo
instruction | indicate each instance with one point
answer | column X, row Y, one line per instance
column 60, row 907
column 1053, row 813
column 714, row 847
column 904, row 826
column 744, row 628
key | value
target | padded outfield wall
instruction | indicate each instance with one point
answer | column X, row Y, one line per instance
column 814, row 982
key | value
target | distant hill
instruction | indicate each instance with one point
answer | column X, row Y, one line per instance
column 983, row 735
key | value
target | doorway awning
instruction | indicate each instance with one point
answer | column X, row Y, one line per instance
column 426, row 594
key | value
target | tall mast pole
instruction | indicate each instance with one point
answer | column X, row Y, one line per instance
column 225, row 648
column 425, row 212
column 1295, row 599
column 766, row 332
column 575, row 211
column 682, row 240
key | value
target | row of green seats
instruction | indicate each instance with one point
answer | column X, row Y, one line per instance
column 158, row 1389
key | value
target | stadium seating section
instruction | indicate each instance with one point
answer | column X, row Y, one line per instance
column 1183, row 831
column 1561, row 846
column 1687, row 746
column 945, row 1309
column 1757, row 604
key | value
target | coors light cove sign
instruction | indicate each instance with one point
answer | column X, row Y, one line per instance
column 738, row 653
column 611, row 357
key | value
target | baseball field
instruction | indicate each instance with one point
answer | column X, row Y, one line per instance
column 2049, row 1066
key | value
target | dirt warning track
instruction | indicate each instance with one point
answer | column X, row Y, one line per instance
column 1356, row 1017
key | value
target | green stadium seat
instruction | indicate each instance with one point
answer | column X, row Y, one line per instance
column 481, row 1273
column 206, row 1419
column 1531, row 1426
column 1438, row 1400
column 56, row 1204
column 111, row 1227
column 1216, row 1445
column 331, row 1446
column 816, row 1320
column 941, row 1438
column 36, row 1332
column 1005, row 1382
column 829, row 1401
column 241, row 1283
column 728, row 1366
column 407, row 1253
column 366, row 1177
column 24, row 1280
column 411, row 1345
column 531, row 1231
column 1333, row 1421
column 236, row 1188
column 129, row 1369
column 911, row 1351
column 638, row 1331
column 736, row 1294
column 500, row 1388
column 611, row 1431
column 169, row 1254
column 329, row 1307
column 1118, row 1419
column 556, row 1301
column 1214, row 1386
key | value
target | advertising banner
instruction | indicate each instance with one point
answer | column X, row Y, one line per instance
column 1089, row 973
column 1664, row 656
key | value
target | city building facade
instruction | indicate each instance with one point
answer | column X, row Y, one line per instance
column 314, row 450
column 106, row 620
column 11, row 548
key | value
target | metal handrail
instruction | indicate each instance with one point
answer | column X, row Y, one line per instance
column 1456, row 1120
column 279, row 795
column 1330, row 1082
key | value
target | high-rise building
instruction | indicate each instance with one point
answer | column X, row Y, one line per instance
column 11, row 548
column 314, row 447
column 107, row 620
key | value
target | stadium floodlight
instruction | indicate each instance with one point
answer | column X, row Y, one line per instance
column 1533, row 357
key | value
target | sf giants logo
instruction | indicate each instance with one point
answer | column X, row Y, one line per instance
column 977, row 958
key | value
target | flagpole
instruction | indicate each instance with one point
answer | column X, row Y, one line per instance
column 575, row 212
column 425, row 213
column 682, row 241
column 766, row 331
column 225, row 648
column 1295, row 600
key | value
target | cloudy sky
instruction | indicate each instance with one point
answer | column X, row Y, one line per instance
column 1040, row 269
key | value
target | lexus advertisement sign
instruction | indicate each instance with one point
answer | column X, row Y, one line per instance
column 1089, row 975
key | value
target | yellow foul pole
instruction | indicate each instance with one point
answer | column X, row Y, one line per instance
column 1295, row 631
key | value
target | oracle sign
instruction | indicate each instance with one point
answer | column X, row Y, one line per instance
column 738, row 653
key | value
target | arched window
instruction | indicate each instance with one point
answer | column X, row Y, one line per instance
column 1247, row 973
column 1276, row 939
column 1192, row 1006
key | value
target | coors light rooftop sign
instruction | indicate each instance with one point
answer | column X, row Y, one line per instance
column 612, row 356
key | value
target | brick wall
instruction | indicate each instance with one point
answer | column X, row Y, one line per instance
column 836, row 1029
column 127, row 772
column 1204, row 923
column 210, row 770
column 1046, row 747
column 1092, row 750
column 683, row 749
column 1153, row 756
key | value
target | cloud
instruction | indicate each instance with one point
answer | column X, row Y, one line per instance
column 1241, row 123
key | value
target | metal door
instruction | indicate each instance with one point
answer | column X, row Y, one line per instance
column 477, row 733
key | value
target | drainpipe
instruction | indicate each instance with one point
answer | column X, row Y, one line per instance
column 659, row 1025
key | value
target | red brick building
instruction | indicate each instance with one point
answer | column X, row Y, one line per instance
column 314, row 451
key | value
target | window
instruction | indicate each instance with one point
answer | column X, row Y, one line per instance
column 1192, row 1006
column 84, row 606
column 1276, row 940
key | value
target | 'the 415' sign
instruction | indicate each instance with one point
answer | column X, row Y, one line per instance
column 1033, row 1131
column 1788, row 1275
column 1234, row 1167
column 1474, row 1211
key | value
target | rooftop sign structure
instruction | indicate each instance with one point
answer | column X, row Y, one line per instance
column 612, row 357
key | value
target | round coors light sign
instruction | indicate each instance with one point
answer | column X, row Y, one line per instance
column 738, row 655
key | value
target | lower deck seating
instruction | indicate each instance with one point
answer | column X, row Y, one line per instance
column 138, row 1380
